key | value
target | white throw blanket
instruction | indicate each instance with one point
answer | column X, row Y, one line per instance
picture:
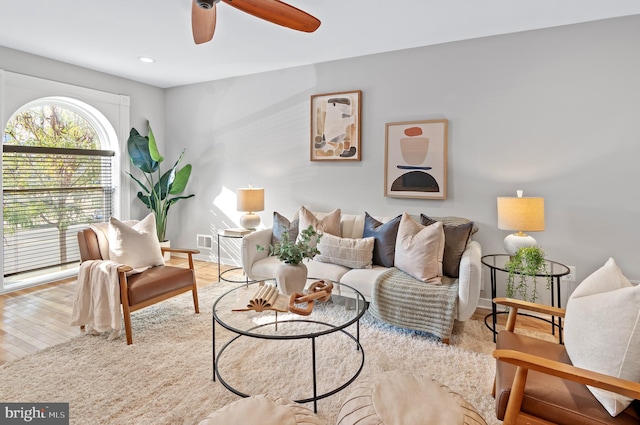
column 97, row 303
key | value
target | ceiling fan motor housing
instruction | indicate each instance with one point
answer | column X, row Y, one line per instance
column 206, row 4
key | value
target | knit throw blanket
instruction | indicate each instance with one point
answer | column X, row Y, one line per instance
column 401, row 300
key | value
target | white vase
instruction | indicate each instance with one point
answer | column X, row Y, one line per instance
column 166, row 244
column 291, row 278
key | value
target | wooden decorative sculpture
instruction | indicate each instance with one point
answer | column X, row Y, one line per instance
column 319, row 290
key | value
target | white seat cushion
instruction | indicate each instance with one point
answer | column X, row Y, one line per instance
column 318, row 270
column 362, row 280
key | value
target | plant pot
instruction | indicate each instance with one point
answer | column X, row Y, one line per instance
column 166, row 244
column 291, row 278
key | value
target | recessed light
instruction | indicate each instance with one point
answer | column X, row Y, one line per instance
column 146, row 59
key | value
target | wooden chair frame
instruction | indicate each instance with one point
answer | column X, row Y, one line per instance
column 128, row 308
column 89, row 250
column 526, row 362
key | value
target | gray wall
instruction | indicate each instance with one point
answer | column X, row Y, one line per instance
column 554, row 112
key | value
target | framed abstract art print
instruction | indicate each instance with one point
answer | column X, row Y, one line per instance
column 416, row 159
column 335, row 126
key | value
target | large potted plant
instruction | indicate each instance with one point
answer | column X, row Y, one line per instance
column 158, row 186
column 291, row 275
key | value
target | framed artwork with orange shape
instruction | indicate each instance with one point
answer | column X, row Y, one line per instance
column 335, row 126
column 415, row 160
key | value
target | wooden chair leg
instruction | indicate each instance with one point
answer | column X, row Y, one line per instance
column 126, row 310
column 195, row 286
column 195, row 298
column 127, row 323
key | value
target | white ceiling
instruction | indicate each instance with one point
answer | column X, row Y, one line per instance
column 110, row 35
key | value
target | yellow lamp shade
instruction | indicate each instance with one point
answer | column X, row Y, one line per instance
column 521, row 214
column 250, row 199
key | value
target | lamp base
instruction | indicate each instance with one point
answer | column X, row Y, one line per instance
column 515, row 241
column 250, row 221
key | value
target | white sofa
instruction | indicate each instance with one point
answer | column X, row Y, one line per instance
column 259, row 265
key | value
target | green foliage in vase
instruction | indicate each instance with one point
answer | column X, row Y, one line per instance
column 293, row 252
column 527, row 264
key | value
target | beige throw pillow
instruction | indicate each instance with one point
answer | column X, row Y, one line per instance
column 602, row 330
column 137, row 245
column 419, row 249
column 352, row 253
column 325, row 223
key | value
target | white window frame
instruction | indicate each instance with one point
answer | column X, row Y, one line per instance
column 107, row 112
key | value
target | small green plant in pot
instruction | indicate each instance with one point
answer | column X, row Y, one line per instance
column 291, row 275
column 294, row 251
column 155, row 194
column 527, row 263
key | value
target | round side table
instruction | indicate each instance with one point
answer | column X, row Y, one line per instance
column 555, row 270
column 222, row 234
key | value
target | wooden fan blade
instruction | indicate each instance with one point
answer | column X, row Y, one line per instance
column 203, row 23
column 277, row 12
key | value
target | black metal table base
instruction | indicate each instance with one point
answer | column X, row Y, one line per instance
column 316, row 396
column 556, row 322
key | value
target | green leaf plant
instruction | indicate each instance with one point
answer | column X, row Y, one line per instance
column 527, row 264
column 157, row 186
column 293, row 252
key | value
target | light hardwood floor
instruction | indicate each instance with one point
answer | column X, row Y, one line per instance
column 37, row 318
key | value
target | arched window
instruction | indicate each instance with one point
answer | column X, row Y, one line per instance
column 56, row 178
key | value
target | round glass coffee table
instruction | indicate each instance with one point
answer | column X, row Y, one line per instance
column 326, row 318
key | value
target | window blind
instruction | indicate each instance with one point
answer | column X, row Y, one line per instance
column 48, row 195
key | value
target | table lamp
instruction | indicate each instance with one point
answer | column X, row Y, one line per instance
column 523, row 215
column 250, row 200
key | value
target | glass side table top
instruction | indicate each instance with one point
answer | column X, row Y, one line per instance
column 498, row 261
column 326, row 317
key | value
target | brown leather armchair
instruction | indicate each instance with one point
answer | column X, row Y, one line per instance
column 149, row 287
column 536, row 383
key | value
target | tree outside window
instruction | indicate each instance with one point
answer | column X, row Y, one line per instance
column 48, row 181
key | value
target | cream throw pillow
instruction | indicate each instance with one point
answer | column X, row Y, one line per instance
column 328, row 223
column 137, row 245
column 419, row 249
column 352, row 253
column 602, row 330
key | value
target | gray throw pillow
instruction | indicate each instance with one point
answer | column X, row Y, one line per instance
column 456, row 238
column 384, row 235
column 280, row 225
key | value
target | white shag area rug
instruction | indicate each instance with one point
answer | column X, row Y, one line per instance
column 165, row 377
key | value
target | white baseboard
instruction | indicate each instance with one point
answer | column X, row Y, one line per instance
column 484, row 303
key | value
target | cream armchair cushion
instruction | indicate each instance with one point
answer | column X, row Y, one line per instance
column 135, row 245
column 602, row 330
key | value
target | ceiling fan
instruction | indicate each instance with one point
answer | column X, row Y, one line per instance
column 203, row 16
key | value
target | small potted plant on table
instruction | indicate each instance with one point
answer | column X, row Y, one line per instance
column 528, row 262
column 291, row 275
